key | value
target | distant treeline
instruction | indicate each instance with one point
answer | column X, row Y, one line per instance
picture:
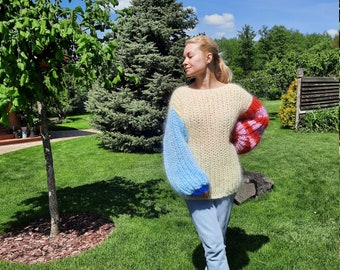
column 265, row 62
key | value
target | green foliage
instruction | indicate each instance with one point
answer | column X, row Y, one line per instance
column 229, row 48
column 79, row 121
column 322, row 120
column 287, row 112
column 41, row 42
column 245, row 57
column 150, row 40
column 45, row 47
column 267, row 66
column 276, row 42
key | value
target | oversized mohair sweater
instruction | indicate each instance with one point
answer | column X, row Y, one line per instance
column 204, row 133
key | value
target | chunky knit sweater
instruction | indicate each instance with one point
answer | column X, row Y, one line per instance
column 204, row 133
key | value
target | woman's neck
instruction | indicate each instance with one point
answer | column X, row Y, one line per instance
column 207, row 82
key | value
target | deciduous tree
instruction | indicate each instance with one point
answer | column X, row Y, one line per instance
column 41, row 43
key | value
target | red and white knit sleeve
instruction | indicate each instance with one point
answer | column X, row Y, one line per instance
column 250, row 127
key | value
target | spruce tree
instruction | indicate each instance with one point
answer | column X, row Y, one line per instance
column 150, row 38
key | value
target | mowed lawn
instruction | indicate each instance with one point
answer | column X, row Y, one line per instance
column 295, row 226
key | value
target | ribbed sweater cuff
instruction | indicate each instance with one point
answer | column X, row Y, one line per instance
column 200, row 191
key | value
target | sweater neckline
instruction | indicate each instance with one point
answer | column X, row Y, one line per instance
column 207, row 89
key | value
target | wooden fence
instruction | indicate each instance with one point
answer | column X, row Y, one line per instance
column 315, row 93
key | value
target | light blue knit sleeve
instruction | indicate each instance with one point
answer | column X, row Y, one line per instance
column 183, row 173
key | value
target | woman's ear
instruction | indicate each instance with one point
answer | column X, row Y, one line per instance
column 209, row 58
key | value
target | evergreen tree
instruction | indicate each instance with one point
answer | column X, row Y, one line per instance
column 150, row 37
column 247, row 48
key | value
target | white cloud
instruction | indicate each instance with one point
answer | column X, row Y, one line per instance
column 224, row 21
column 333, row 32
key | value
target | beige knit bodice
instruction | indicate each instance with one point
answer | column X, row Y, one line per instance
column 209, row 117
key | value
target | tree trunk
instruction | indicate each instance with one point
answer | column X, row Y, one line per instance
column 52, row 193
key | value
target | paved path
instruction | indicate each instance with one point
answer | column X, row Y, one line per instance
column 55, row 137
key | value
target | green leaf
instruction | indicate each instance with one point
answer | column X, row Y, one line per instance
column 69, row 31
column 24, row 34
column 18, row 25
column 21, row 65
column 13, row 42
column 117, row 79
column 42, row 27
column 93, row 74
column 35, row 24
column 78, row 9
column 38, row 43
column 55, row 75
column 120, row 69
column 26, row 22
column 23, row 55
column 23, row 79
column 15, row 102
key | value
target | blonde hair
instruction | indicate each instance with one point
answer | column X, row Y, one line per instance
column 208, row 45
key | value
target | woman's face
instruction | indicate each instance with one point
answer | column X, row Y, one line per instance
column 195, row 61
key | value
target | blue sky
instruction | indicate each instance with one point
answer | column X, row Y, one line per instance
column 225, row 18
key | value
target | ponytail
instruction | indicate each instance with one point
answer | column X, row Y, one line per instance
column 222, row 72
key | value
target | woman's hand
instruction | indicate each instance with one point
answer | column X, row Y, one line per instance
column 206, row 194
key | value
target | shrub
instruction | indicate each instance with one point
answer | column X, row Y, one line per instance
column 322, row 120
column 287, row 112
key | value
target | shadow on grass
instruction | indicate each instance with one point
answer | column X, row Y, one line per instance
column 68, row 133
column 273, row 116
column 111, row 198
column 238, row 244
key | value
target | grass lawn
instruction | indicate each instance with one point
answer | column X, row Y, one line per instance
column 295, row 226
column 73, row 122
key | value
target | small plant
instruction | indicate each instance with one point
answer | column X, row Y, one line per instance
column 322, row 120
column 287, row 112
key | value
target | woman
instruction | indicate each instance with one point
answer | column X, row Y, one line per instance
column 209, row 123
